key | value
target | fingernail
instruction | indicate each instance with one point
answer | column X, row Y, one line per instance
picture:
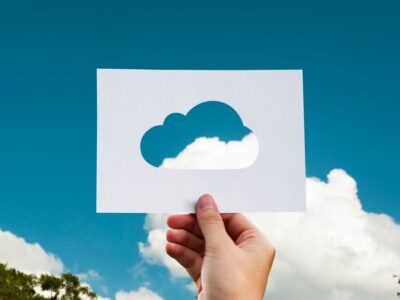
column 206, row 202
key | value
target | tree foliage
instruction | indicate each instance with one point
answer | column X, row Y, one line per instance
column 17, row 285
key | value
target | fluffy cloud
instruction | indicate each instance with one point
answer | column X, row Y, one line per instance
column 334, row 251
column 141, row 294
column 27, row 257
column 212, row 153
column 154, row 250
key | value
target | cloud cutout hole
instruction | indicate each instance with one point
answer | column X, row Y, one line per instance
column 210, row 136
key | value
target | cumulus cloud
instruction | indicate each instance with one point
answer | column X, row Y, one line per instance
column 141, row 294
column 154, row 250
column 334, row 251
column 27, row 257
column 209, row 119
column 212, row 153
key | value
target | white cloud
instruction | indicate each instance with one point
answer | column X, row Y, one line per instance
column 27, row 257
column 334, row 251
column 154, row 250
column 141, row 294
column 211, row 153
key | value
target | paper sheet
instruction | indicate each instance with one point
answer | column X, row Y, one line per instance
column 165, row 137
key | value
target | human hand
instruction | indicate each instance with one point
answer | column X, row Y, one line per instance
column 227, row 257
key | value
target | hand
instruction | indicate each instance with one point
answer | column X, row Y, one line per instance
column 227, row 257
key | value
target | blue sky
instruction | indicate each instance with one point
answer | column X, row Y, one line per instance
column 49, row 52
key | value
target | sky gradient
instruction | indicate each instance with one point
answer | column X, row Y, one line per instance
column 49, row 52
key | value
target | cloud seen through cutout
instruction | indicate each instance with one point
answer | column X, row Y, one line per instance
column 210, row 136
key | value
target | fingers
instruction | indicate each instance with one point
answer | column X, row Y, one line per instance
column 187, row 258
column 187, row 222
column 210, row 222
column 187, row 239
column 238, row 227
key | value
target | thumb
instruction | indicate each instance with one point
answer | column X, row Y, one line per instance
column 210, row 221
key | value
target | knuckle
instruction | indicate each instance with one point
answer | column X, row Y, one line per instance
column 212, row 217
column 249, row 234
column 215, row 248
column 185, row 238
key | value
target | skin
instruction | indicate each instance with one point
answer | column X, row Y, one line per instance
column 225, row 254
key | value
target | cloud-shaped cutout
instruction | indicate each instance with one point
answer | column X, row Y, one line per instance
column 210, row 136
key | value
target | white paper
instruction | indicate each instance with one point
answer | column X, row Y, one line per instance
column 130, row 102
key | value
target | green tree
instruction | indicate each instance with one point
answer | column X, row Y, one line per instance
column 73, row 289
column 17, row 285
column 51, row 284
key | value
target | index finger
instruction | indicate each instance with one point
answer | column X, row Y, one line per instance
column 185, row 221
